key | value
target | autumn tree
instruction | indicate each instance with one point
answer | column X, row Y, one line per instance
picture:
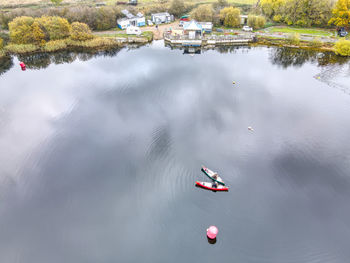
column 298, row 12
column 230, row 16
column 256, row 22
column 56, row 27
column 271, row 7
column 105, row 18
column 203, row 13
column 1, row 43
column 21, row 30
column 39, row 36
column 341, row 14
column 177, row 7
column 80, row 31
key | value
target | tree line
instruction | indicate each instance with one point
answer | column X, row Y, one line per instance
column 307, row 12
column 96, row 18
column 29, row 30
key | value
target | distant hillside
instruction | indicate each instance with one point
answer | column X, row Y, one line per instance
column 17, row 3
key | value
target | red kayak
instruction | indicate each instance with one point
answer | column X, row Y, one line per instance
column 209, row 186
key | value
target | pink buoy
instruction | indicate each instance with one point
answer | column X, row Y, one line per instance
column 212, row 231
column 23, row 66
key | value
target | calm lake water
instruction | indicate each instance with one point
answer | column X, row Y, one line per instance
column 99, row 155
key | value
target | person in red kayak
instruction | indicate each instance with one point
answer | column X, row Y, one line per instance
column 215, row 184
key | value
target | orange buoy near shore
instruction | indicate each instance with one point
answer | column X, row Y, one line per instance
column 23, row 66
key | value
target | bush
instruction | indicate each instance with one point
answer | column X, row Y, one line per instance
column 80, row 31
column 56, row 27
column 203, row 13
column 342, row 48
column 316, row 42
column 230, row 16
column 21, row 30
column 294, row 39
column 277, row 18
column 155, row 8
column 256, row 22
column 98, row 42
column 55, row 45
column 148, row 35
column 39, row 36
column 21, row 48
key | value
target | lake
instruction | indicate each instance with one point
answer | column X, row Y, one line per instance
column 100, row 153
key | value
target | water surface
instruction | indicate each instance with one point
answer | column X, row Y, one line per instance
column 99, row 154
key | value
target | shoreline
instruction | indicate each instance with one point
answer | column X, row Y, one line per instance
column 282, row 42
column 108, row 43
column 96, row 44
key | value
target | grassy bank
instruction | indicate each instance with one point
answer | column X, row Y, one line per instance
column 298, row 30
column 97, row 43
column 282, row 42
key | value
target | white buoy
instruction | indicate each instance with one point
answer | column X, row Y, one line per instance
column 250, row 128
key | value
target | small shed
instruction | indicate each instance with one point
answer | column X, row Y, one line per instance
column 207, row 27
column 160, row 18
column 131, row 20
column 133, row 30
column 244, row 19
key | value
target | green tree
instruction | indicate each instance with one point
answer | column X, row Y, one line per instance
column 56, row 27
column 203, row 13
column 341, row 14
column 342, row 47
column 177, row 7
column 230, row 16
column 21, row 30
column 56, row 2
column 80, row 31
column 105, row 18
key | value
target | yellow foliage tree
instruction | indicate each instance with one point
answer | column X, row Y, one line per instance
column 256, row 22
column 271, row 7
column 38, row 33
column 1, row 43
column 342, row 47
column 230, row 16
column 80, row 31
column 341, row 14
column 21, row 30
column 56, row 27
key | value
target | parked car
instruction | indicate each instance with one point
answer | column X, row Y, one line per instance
column 219, row 30
column 247, row 28
column 149, row 22
column 342, row 32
